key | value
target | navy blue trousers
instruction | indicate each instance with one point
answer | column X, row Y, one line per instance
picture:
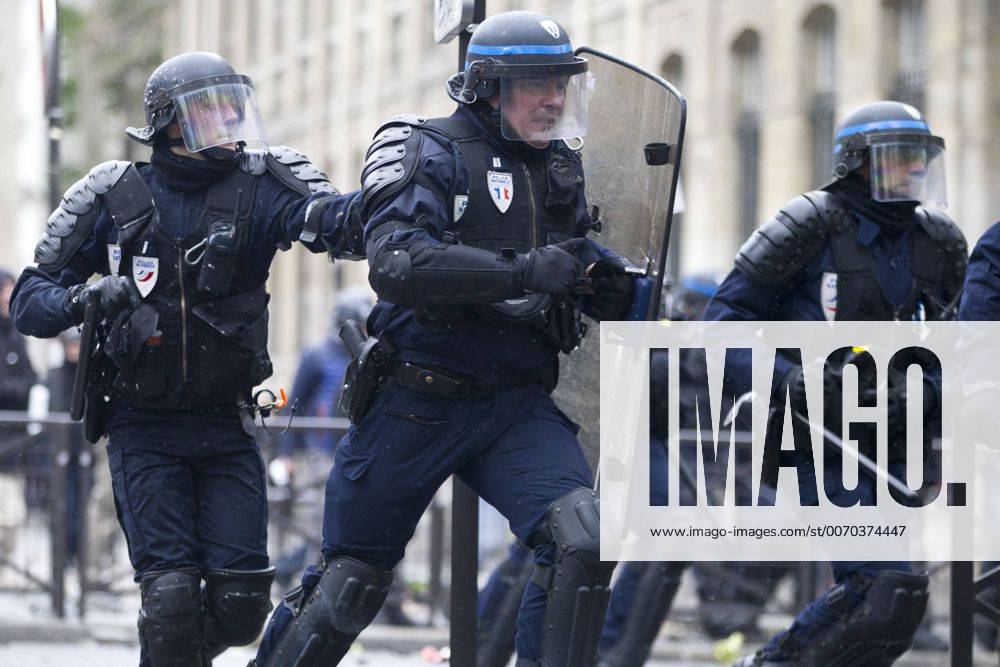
column 189, row 490
column 517, row 450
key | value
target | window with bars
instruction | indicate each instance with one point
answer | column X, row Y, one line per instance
column 909, row 82
column 253, row 23
column 821, row 60
column 747, row 73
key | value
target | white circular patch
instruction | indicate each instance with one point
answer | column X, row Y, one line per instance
column 551, row 27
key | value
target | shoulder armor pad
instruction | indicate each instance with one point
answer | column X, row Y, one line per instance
column 295, row 170
column 943, row 230
column 71, row 222
column 391, row 160
column 782, row 245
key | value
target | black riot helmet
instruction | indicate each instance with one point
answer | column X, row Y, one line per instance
column 528, row 59
column 213, row 104
column 906, row 161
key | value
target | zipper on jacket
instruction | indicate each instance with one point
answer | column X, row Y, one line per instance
column 531, row 199
column 184, row 333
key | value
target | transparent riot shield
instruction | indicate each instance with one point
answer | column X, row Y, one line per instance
column 631, row 156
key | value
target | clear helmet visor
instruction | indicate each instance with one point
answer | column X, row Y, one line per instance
column 545, row 108
column 219, row 116
column 908, row 171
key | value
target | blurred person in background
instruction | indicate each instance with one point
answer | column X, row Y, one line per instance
column 16, row 379
column 16, row 373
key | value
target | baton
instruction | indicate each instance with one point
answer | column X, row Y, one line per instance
column 91, row 312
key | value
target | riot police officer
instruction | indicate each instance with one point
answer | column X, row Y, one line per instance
column 475, row 240
column 861, row 248
column 184, row 244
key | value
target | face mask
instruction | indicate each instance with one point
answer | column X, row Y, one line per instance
column 187, row 174
column 894, row 217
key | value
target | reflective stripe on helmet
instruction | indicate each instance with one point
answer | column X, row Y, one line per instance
column 520, row 49
column 882, row 125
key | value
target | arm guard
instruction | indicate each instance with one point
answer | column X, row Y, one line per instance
column 418, row 270
column 784, row 244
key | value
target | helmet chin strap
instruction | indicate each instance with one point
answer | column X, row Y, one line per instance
column 220, row 154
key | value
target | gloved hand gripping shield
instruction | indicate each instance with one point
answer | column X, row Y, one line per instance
column 221, row 114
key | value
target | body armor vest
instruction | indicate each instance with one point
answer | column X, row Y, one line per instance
column 512, row 205
column 860, row 297
column 199, row 337
column 539, row 208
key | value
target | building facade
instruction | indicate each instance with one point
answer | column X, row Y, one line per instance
column 766, row 83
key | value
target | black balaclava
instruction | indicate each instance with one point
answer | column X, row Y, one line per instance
column 187, row 174
column 892, row 217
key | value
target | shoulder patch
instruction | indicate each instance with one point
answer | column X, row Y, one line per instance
column 783, row 244
column 71, row 222
column 295, row 171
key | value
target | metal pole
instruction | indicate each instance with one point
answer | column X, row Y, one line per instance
column 84, row 463
column 434, row 588
column 58, row 448
column 52, row 109
column 58, row 445
column 962, row 602
column 465, row 511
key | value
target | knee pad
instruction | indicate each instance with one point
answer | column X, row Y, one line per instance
column 577, row 586
column 172, row 617
column 327, row 619
column 879, row 629
column 238, row 602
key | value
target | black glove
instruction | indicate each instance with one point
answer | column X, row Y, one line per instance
column 549, row 269
column 612, row 298
column 115, row 294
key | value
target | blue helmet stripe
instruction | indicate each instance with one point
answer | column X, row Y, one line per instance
column 520, row 50
column 883, row 125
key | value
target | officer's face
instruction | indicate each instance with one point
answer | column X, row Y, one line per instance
column 535, row 107
column 905, row 175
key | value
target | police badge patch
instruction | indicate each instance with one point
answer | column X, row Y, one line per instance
column 114, row 258
column 501, row 187
column 828, row 295
column 460, row 203
column 145, row 271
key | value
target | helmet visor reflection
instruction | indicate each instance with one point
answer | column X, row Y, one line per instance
column 903, row 171
column 219, row 116
column 545, row 108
